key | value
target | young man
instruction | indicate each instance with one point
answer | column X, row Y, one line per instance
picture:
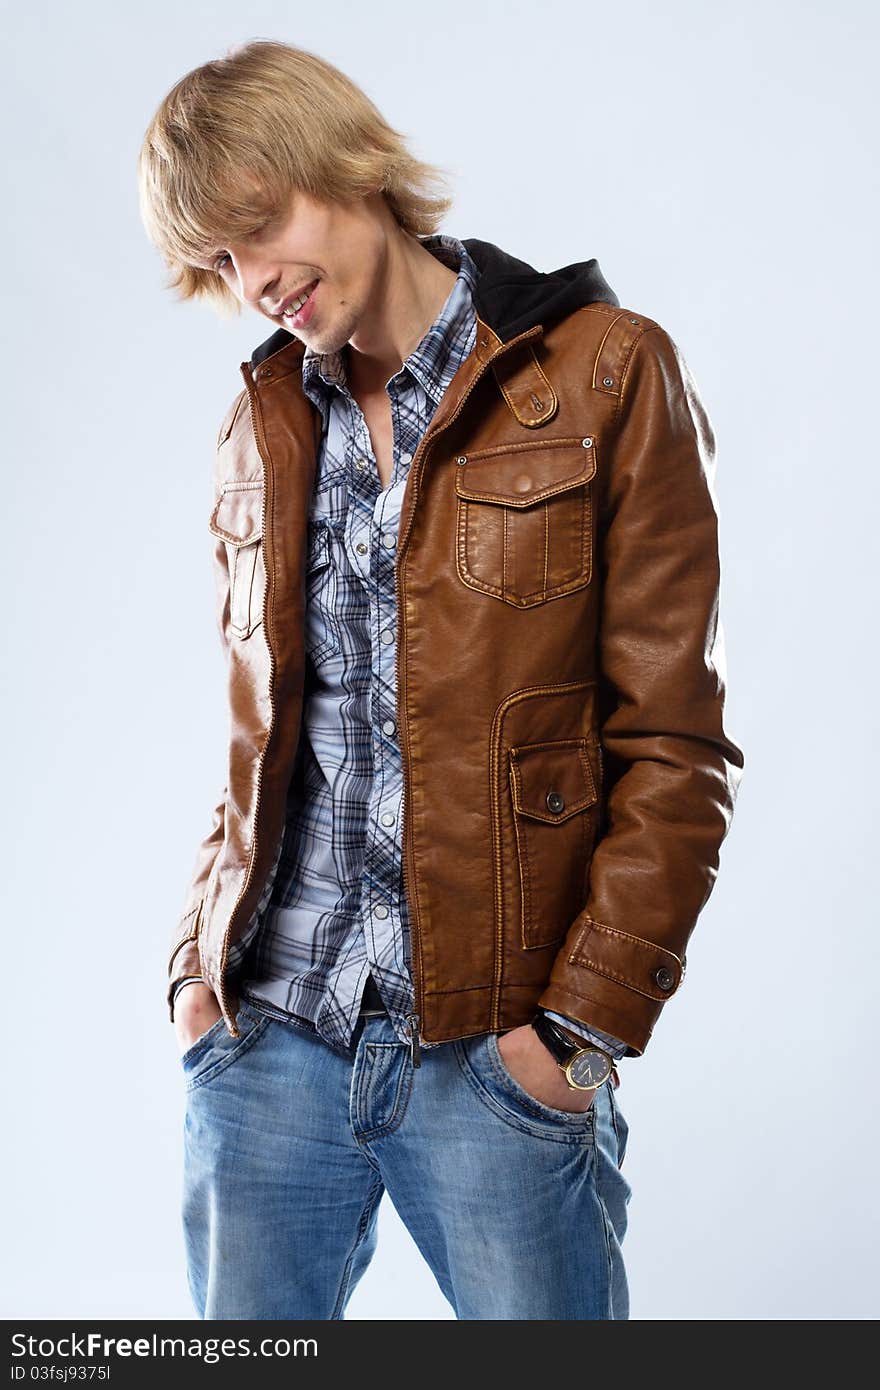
column 465, row 544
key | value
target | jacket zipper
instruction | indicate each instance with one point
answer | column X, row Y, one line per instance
column 263, row 451
column 413, row 480
column 415, row 1055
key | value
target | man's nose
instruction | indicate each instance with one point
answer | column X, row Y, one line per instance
column 256, row 279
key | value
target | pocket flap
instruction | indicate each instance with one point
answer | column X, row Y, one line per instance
column 552, row 781
column 318, row 554
column 238, row 515
column 520, row 475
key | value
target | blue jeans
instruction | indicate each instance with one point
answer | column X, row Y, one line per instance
column 518, row 1208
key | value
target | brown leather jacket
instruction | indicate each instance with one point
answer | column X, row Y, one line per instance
column 568, row 781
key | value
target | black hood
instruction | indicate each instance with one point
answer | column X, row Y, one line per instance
column 511, row 295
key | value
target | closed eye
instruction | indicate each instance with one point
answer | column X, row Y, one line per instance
column 219, row 263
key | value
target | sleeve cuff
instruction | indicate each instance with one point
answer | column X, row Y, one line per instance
column 185, row 980
column 608, row 1043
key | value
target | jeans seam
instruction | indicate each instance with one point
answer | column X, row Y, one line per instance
column 614, row 1123
column 373, row 1197
column 609, row 1262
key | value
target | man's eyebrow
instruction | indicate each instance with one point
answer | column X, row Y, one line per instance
column 208, row 258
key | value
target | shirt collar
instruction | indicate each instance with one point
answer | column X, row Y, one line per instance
column 439, row 354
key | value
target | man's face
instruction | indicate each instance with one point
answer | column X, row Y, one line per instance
column 341, row 247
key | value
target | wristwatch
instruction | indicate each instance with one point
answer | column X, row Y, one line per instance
column 586, row 1066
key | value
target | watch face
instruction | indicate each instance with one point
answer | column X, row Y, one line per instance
column 589, row 1068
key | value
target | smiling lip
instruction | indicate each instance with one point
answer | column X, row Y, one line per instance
column 286, row 303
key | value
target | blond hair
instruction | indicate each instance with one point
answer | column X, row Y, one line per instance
column 236, row 137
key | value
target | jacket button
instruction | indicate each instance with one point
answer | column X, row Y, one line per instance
column 664, row 977
column 555, row 801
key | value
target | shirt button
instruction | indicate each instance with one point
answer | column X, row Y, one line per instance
column 406, row 458
column 361, row 548
column 389, row 726
column 664, row 977
column 388, row 540
column 360, row 463
column 386, row 636
column 380, row 911
column 388, row 818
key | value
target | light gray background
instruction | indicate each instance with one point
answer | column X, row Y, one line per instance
column 718, row 163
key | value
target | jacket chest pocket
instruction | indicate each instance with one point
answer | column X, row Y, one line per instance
column 555, row 804
column 524, row 529
column 237, row 520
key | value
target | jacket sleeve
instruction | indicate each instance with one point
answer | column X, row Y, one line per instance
column 184, row 959
column 670, row 771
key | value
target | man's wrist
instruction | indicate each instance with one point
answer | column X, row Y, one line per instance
column 585, row 1036
column 186, row 980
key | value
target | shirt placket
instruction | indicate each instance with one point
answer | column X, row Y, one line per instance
column 371, row 538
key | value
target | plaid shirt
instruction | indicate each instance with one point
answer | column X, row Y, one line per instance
column 333, row 909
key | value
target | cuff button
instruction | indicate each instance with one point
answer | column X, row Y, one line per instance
column 664, row 977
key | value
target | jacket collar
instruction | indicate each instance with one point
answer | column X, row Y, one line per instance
column 510, row 295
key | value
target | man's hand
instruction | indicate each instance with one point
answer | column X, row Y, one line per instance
column 195, row 1009
column 538, row 1072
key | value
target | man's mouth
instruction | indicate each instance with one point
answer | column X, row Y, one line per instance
column 292, row 306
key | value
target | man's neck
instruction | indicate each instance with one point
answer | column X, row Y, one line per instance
column 414, row 290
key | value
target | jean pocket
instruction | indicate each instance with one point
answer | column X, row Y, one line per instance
column 485, row 1069
column 202, row 1041
column 216, row 1049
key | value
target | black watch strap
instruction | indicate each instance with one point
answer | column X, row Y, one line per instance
column 553, row 1038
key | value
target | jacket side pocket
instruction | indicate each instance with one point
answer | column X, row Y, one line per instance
column 555, row 805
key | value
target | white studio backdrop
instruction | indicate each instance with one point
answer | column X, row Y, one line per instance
column 718, row 164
